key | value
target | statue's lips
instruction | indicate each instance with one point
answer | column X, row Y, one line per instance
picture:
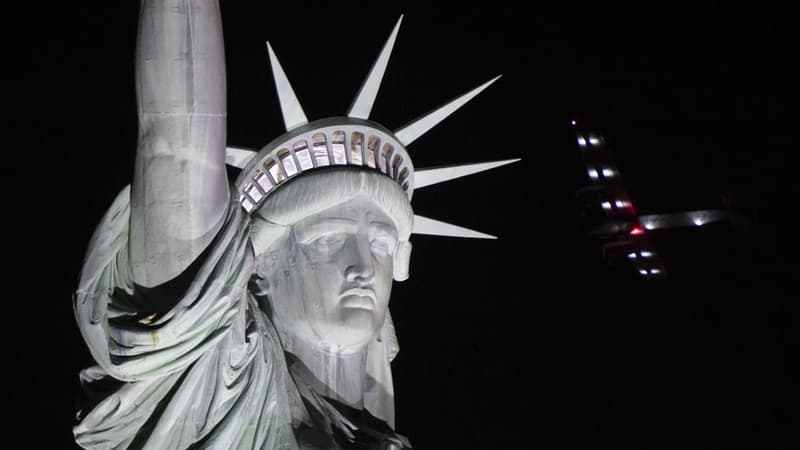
column 358, row 298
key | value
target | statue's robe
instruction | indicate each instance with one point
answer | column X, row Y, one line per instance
column 196, row 363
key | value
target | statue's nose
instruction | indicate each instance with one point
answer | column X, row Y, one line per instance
column 362, row 269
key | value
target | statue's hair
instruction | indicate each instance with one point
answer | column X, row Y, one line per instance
column 317, row 191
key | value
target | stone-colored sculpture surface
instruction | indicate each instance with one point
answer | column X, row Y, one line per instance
column 255, row 315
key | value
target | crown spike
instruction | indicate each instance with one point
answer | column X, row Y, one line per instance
column 424, row 225
column 428, row 177
column 238, row 156
column 412, row 131
column 362, row 105
column 293, row 115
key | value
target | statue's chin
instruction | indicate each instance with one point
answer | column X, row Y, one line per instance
column 353, row 334
column 349, row 335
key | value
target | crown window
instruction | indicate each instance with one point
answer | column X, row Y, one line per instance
column 263, row 181
column 303, row 155
column 403, row 175
column 246, row 203
column 338, row 148
column 373, row 142
column 252, row 191
column 320, row 143
column 396, row 162
column 356, row 148
column 386, row 155
column 273, row 170
column 287, row 162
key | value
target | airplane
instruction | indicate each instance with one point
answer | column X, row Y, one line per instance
column 610, row 217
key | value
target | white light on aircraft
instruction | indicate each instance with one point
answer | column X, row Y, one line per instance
column 606, row 205
column 632, row 255
column 581, row 141
column 594, row 141
column 608, row 173
column 655, row 271
column 592, row 174
column 621, row 204
column 646, row 254
column 573, row 123
column 698, row 221
column 649, row 225
column 643, row 272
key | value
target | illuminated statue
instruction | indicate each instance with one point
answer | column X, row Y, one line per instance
column 255, row 315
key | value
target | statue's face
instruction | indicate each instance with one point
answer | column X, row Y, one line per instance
column 331, row 279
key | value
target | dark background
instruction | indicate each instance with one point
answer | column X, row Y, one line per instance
column 530, row 341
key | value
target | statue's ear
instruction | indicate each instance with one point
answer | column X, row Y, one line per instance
column 402, row 260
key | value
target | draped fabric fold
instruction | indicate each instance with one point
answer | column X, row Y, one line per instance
column 209, row 371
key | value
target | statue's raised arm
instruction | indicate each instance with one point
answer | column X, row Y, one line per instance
column 180, row 191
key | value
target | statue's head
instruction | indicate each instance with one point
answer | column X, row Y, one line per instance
column 327, row 246
column 330, row 202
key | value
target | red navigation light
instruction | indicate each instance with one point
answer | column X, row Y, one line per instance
column 636, row 230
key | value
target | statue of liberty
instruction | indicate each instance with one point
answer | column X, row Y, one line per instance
column 253, row 313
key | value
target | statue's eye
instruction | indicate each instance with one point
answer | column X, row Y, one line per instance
column 329, row 241
column 383, row 244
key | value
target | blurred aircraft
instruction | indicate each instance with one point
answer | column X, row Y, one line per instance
column 610, row 217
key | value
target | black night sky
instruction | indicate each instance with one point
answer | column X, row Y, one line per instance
column 530, row 341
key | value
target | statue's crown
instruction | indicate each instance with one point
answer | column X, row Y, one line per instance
column 331, row 142
column 352, row 141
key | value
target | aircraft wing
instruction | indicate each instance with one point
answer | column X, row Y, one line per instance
column 684, row 219
column 609, row 210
